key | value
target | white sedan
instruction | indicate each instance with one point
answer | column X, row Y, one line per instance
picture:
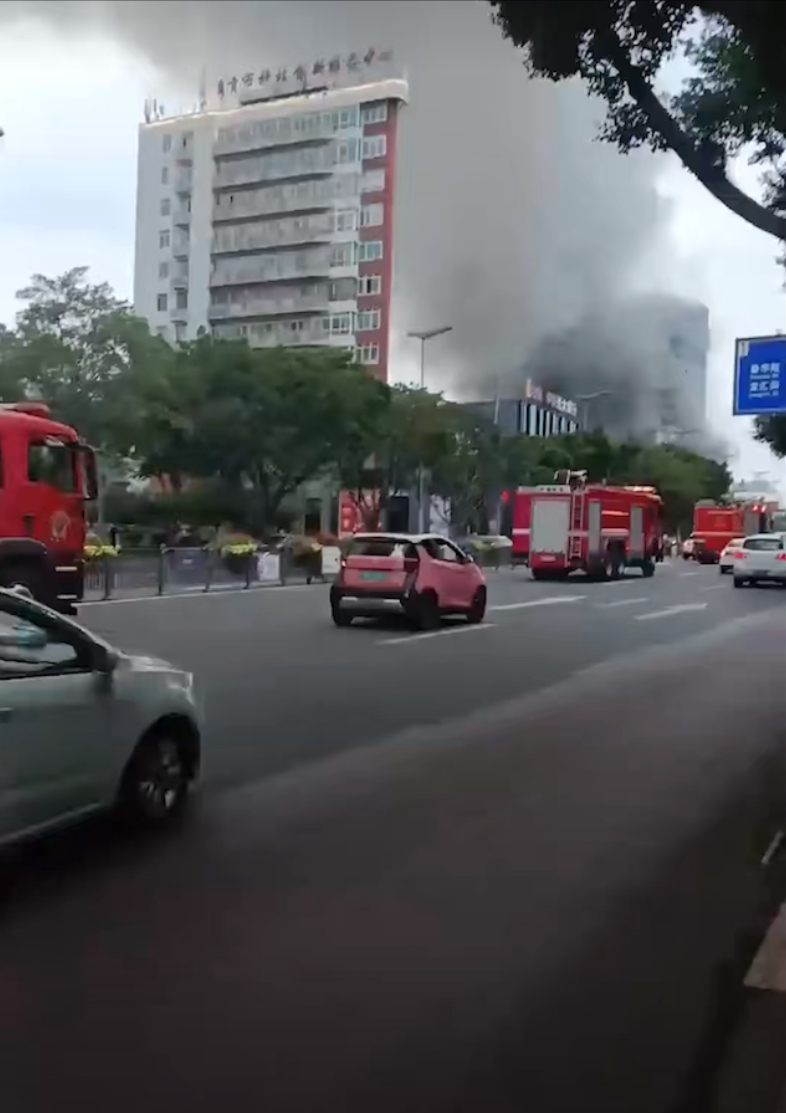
column 85, row 728
column 761, row 559
column 726, row 562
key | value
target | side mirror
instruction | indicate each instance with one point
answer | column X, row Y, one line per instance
column 89, row 474
column 104, row 661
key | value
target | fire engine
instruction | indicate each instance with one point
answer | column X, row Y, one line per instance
column 46, row 475
column 574, row 525
column 714, row 525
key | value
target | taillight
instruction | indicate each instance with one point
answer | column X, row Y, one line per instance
column 341, row 570
column 781, row 556
column 739, row 555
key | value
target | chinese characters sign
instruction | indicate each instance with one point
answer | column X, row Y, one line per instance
column 331, row 72
column 760, row 376
column 535, row 393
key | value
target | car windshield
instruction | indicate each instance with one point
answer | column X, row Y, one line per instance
column 764, row 544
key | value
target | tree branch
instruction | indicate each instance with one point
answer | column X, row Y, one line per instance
column 711, row 175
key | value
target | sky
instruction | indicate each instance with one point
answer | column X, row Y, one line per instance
column 70, row 110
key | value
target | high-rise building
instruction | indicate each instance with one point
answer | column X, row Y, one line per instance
column 267, row 213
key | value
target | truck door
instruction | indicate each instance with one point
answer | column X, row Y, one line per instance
column 53, row 495
column 549, row 532
column 594, row 525
column 636, row 532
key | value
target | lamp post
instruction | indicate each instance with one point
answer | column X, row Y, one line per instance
column 423, row 337
column 585, row 400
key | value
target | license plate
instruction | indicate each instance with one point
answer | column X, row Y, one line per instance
column 373, row 575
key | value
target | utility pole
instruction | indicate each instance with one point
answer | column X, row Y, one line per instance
column 423, row 337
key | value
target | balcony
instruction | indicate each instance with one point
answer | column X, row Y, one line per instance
column 295, row 197
column 270, row 334
column 266, row 133
column 184, row 179
column 179, row 313
column 271, row 268
column 180, row 276
column 261, row 306
column 273, row 233
column 289, row 164
column 181, row 215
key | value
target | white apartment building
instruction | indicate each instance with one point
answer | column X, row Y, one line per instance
column 267, row 214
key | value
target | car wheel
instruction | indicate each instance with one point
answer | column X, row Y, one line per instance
column 340, row 618
column 739, row 582
column 477, row 611
column 428, row 613
column 155, row 785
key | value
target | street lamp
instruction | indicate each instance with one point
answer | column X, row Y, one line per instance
column 586, row 399
column 425, row 335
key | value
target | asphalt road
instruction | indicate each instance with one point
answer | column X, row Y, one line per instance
column 494, row 868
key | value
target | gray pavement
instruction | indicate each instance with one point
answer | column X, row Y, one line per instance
column 499, row 868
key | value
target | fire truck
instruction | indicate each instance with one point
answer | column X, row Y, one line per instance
column 714, row 526
column 573, row 525
column 46, row 475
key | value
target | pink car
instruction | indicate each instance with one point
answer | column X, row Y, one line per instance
column 423, row 577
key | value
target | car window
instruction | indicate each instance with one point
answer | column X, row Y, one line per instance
column 443, row 550
column 53, row 464
column 383, row 547
column 764, row 544
column 27, row 649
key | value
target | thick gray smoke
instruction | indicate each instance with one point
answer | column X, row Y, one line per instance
column 512, row 222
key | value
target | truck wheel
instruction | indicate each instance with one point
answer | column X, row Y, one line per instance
column 647, row 569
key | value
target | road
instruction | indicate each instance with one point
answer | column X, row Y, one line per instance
column 495, row 868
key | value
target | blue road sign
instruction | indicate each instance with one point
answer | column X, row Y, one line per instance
column 760, row 376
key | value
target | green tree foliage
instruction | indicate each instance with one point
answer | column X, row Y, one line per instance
column 772, row 431
column 736, row 98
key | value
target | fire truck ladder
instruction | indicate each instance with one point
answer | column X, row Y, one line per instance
column 576, row 524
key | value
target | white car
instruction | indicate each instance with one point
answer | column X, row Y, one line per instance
column 84, row 727
column 726, row 562
column 760, row 559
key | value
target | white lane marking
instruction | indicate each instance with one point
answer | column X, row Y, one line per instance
column 618, row 583
column 716, row 587
column 196, row 593
column 623, row 602
column 690, row 573
column 772, row 849
column 548, row 602
column 768, row 969
column 669, row 611
column 413, row 638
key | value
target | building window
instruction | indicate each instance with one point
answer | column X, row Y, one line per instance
column 375, row 113
column 341, row 324
column 180, row 332
column 164, row 175
column 181, row 299
column 346, row 220
column 369, row 285
column 161, row 303
column 375, row 146
column 343, row 254
column 163, row 270
column 369, row 320
column 371, row 216
column 348, row 118
column 166, row 142
column 347, row 151
column 373, row 181
column 166, row 207
column 368, row 353
column 369, row 251
column 164, row 239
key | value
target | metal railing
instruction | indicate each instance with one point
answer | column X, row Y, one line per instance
column 166, row 571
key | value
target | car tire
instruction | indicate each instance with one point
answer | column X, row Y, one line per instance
column 155, row 785
column 429, row 616
column 340, row 618
column 738, row 582
column 477, row 611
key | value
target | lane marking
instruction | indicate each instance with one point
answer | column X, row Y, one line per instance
column 623, row 602
column 772, row 849
column 620, row 582
column 669, row 611
column 690, row 573
column 768, row 969
column 716, row 587
column 548, row 602
column 411, row 639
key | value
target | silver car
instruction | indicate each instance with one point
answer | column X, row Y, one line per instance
column 84, row 727
column 761, row 559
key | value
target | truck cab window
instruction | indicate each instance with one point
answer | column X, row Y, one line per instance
column 52, row 464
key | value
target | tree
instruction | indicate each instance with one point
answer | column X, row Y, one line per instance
column 263, row 420
column 471, row 471
column 736, row 100
column 772, row 431
column 78, row 348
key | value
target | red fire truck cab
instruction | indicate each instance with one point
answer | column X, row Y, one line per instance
column 46, row 475
column 572, row 525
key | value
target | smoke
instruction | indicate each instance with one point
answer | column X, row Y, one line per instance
column 512, row 222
